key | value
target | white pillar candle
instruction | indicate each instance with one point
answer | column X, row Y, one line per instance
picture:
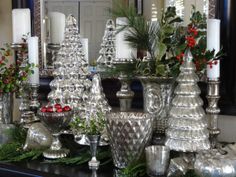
column 85, row 49
column 123, row 49
column 21, row 24
column 213, row 42
column 33, row 54
column 57, row 27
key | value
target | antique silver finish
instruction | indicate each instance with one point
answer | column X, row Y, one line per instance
column 213, row 96
column 157, row 95
column 96, row 103
column 34, row 103
column 5, row 137
column 187, row 126
column 128, row 133
column 178, row 167
column 94, row 141
column 157, row 160
column 55, row 122
column 6, row 108
column 54, row 48
column 214, row 164
column 108, row 50
column 38, row 137
column 125, row 94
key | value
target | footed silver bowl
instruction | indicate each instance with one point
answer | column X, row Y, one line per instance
column 55, row 122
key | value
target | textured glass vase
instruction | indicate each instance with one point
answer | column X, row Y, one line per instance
column 129, row 133
column 157, row 95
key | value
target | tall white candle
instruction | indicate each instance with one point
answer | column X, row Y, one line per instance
column 123, row 49
column 33, row 52
column 21, row 24
column 85, row 48
column 213, row 42
column 57, row 27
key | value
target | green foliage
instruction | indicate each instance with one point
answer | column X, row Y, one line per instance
column 94, row 126
column 11, row 76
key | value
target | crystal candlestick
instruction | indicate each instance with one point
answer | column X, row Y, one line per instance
column 213, row 110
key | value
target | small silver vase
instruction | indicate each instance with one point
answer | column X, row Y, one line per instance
column 6, row 108
column 94, row 141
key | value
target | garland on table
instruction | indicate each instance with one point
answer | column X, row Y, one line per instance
column 14, row 152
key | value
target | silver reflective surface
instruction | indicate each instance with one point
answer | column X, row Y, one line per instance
column 129, row 133
column 157, row 160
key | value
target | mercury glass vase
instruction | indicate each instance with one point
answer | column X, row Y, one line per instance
column 128, row 133
column 157, row 95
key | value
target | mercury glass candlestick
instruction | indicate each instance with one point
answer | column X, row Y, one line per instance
column 34, row 103
column 23, row 91
column 125, row 95
column 213, row 110
column 54, row 48
column 94, row 142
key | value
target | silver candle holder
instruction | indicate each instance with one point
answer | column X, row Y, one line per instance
column 54, row 48
column 34, row 103
column 213, row 96
column 125, row 94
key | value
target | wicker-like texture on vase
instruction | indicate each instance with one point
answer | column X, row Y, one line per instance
column 187, row 126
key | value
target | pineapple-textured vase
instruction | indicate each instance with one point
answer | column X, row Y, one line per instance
column 129, row 133
column 187, row 126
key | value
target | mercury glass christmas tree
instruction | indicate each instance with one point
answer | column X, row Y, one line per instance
column 70, row 85
column 187, row 126
column 107, row 51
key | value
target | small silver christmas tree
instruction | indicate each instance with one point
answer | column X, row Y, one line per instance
column 187, row 126
column 108, row 50
column 70, row 85
column 96, row 101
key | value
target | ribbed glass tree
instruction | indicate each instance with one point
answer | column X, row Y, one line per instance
column 108, row 50
column 71, row 84
column 187, row 126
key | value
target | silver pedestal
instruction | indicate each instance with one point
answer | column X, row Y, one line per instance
column 213, row 96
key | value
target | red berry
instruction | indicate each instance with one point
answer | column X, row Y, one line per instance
column 49, row 109
column 44, row 109
column 57, row 106
column 215, row 62
column 66, row 108
column 59, row 110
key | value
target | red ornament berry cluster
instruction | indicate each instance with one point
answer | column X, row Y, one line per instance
column 55, row 108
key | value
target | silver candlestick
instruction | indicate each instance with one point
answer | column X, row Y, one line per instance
column 213, row 110
column 54, row 48
column 34, row 103
column 24, row 90
column 125, row 94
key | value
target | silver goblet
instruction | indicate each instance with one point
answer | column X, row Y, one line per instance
column 55, row 121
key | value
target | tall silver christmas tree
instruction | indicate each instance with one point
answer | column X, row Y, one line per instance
column 71, row 84
column 187, row 126
column 108, row 50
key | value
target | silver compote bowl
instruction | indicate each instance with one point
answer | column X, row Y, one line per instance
column 55, row 122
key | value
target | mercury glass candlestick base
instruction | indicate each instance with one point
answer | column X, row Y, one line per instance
column 34, row 103
column 213, row 96
column 55, row 122
column 125, row 95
